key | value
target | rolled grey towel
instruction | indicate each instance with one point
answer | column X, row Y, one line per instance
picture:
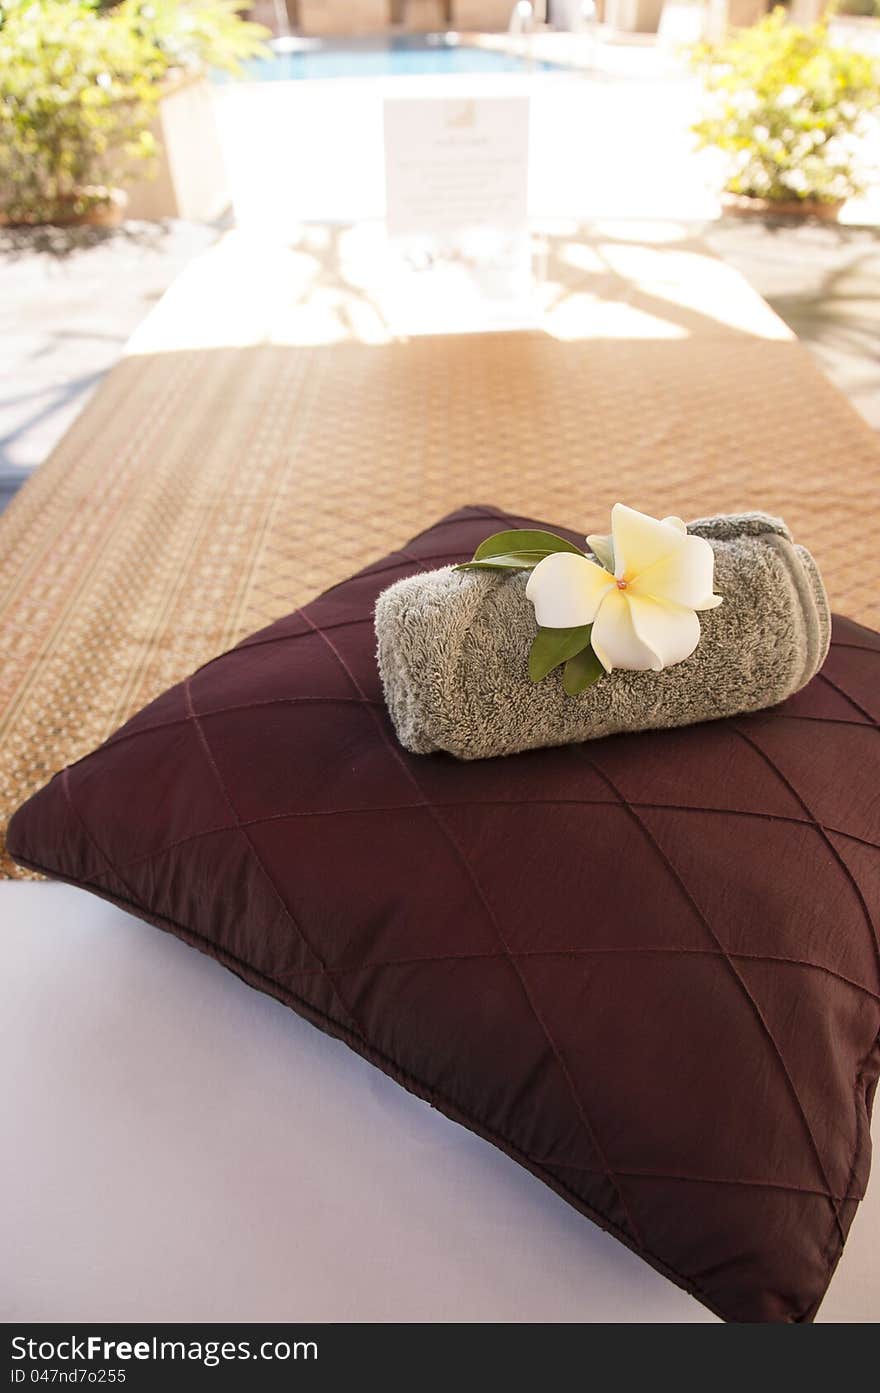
column 453, row 651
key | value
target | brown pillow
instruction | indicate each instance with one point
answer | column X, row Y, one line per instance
column 646, row 968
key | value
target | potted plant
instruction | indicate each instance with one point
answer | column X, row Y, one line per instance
column 80, row 82
column 787, row 108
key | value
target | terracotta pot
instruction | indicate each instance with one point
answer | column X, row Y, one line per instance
column 743, row 206
column 107, row 210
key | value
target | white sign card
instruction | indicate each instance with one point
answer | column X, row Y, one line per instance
column 456, row 163
column 456, row 183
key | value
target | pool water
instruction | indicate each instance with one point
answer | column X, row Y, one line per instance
column 408, row 56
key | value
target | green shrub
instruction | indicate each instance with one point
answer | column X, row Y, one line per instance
column 79, row 86
column 195, row 34
column 788, row 108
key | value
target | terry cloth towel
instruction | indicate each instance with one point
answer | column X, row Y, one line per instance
column 453, row 651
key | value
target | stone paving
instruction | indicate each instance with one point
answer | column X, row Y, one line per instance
column 825, row 283
column 68, row 302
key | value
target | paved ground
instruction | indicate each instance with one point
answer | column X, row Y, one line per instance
column 825, row 283
column 70, row 301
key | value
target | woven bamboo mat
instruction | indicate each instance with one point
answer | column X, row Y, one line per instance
column 208, row 489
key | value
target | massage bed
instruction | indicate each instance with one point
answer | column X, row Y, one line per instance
column 171, row 1135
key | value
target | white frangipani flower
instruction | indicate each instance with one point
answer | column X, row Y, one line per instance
column 642, row 601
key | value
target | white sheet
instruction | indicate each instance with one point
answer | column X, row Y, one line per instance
column 180, row 1147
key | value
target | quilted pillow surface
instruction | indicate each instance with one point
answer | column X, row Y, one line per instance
column 646, row 968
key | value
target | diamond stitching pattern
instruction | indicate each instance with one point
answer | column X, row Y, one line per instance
column 138, row 873
column 823, row 833
column 237, row 826
column 467, row 865
column 484, row 803
column 692, row 901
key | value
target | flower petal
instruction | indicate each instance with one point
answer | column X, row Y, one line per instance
column 615, row 641
column 684, row 576
column 670, row 631
column 567, row 590
column 640, row 541
column 678, row 523
column 602, row 548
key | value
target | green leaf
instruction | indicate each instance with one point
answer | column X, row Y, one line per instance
column 523, row 540
column 581, row 671
column 554, row 646
column 514, row 560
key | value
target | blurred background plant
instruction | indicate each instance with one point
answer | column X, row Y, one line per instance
column 788, row 108
column 194, row 35
column 80, row 82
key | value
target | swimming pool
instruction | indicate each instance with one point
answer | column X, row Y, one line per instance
column 401, row 56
